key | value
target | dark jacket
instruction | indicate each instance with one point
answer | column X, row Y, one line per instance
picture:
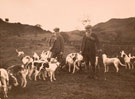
column 89, row 45
column 57, row 44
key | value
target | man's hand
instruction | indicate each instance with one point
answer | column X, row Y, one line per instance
column 80, row 52
column 61, row 53
column 50, row 48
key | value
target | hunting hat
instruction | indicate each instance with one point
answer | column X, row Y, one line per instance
column 88, row 27
column 56, row 29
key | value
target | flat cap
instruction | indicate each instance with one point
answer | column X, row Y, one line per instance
column 56, row 29
column 88, row 27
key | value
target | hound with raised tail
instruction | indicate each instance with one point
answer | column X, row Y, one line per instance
column 19, row 53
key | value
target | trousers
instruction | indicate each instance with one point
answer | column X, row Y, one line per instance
column 90, row 62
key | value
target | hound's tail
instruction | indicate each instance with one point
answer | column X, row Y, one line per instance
column 16, row 50
column 121, row 64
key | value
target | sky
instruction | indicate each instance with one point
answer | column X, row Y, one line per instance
column 65, row 14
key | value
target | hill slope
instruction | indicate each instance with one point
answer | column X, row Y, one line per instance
column 10, row 29
column 114, row 30
column 118, row 30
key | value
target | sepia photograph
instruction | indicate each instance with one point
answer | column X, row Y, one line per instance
column 67, row 49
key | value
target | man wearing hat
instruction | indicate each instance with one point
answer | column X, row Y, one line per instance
column 90, row 44
column 56, row 44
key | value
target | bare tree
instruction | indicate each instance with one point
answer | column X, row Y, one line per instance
column 86, row 21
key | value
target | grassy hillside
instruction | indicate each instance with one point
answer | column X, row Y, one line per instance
column 11, row 29
column 116, row 30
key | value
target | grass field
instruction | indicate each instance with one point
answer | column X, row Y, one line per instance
column 67, row 86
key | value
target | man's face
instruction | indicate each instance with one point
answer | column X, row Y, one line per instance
column 89, row 30
column 57, row 33
column 54, row 33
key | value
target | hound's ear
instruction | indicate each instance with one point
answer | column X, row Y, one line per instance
column 46, row 65
column 74, row 58
column 48, row 59
column 124, row 55
column 16, row 50
column 56, row 58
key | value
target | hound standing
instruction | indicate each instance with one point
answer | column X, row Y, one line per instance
column 126, row 59
column 50, row 68
column 107, row 61
column 6, row 81
column 74, row 59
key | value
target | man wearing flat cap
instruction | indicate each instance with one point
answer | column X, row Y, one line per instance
column 90, row 44
column 56, row 44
